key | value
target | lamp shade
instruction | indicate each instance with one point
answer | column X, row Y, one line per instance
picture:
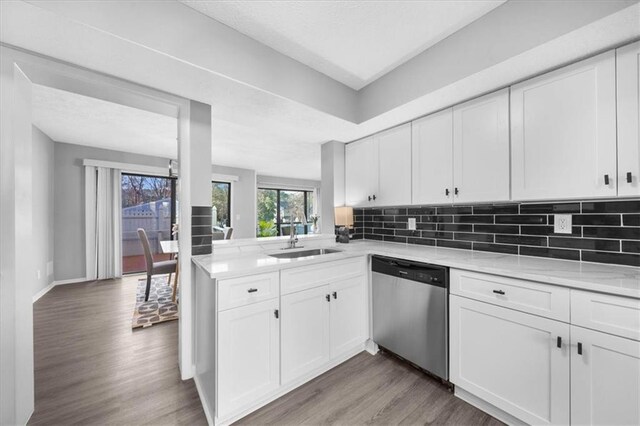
column 344, row 216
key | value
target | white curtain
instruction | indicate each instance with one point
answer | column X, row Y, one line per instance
column 103, row 222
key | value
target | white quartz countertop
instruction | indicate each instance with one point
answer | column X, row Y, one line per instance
column 611, row 279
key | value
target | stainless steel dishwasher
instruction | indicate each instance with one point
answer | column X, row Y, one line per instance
column 410, row 312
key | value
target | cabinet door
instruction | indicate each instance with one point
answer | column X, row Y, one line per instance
column 511, row 360
column 628, row 78
column 361, row 172
column 605, row 379
column 347, row 315
column 394, row 167
column 432, row 156
column 248, row 355
column 564, row 132
column 481, row 149
column 305, row 332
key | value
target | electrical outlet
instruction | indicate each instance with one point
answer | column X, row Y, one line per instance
column 412, row 224
column 562, row 223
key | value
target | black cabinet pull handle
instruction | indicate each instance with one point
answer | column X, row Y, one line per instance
column 276, row 314
column 252, row 290
column 629, row 177
column 606, row 179
column 328, row 298
column 446, row 192
column 559, row 342
column 374, row 197
column 455, row 190
column 335, row 294
column 579, row 348
column 369, row 197
column 498, row 292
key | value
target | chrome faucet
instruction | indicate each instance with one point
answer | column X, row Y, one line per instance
column 293, row 237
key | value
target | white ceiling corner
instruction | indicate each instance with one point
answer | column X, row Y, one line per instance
column 353, row 42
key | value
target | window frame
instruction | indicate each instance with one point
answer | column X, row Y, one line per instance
column 278, row 217
column 228, row 224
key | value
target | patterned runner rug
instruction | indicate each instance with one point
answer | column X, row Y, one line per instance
column 159, row 307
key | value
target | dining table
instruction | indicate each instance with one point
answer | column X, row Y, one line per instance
column 171, row 247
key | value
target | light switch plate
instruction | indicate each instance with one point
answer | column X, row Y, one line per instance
column 562, row 223
column 412, row 224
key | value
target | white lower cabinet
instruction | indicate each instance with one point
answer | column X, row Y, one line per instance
column 511, row 360
column 248, row 354
column 347, row 315
column 605, row 379
column 305, row 332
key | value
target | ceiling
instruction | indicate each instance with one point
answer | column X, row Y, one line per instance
column 353, row 42
column 82, row 120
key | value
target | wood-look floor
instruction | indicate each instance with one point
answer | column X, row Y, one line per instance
column 92, row 369
column 379, row 390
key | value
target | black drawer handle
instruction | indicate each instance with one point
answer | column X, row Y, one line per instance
column 559, row 342
column 606, row 179
column 335, row 294
column 446, row 192
column 276, row 314
column 328, row 298
column 252, row 290
column 455, row 190
column 579, row 348
column 369, row 197
column 498, row 292
column 629, row 177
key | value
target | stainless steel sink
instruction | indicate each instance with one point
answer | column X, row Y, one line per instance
column 304, row 253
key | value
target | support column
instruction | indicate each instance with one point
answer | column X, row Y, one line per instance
column 332, row 190
column 194, row 162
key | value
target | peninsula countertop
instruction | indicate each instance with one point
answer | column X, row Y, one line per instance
column 610, row 279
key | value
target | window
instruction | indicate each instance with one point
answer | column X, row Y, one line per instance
column 148, row 202
column 221, row 203
column 279, row 208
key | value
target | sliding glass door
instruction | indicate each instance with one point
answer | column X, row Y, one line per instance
column 148, row 202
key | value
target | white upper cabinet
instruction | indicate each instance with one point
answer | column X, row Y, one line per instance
column 432, row 158
column 361, row 172
column 394, row 166
column 563, row 130
column 628, row 69
column 481, row 149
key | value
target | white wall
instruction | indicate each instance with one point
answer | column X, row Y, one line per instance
column 69, row 222
column 243, row 200
column 17, row 275
column 43, row 218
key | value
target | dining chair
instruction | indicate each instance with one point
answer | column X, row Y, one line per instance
column 154, row 268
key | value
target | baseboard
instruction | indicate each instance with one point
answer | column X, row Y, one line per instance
column 488, row 408
column 46, row 290
column 71, row 281
column 42, row 292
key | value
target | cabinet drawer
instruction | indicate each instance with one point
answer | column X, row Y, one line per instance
column 610, row 314
column 242, row 291
column 526, row 296
column 298, row 279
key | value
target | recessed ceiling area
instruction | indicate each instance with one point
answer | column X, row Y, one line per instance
column 353, row 42
column 83, row 120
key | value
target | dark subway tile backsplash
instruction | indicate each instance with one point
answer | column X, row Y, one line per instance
column 603, row 231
